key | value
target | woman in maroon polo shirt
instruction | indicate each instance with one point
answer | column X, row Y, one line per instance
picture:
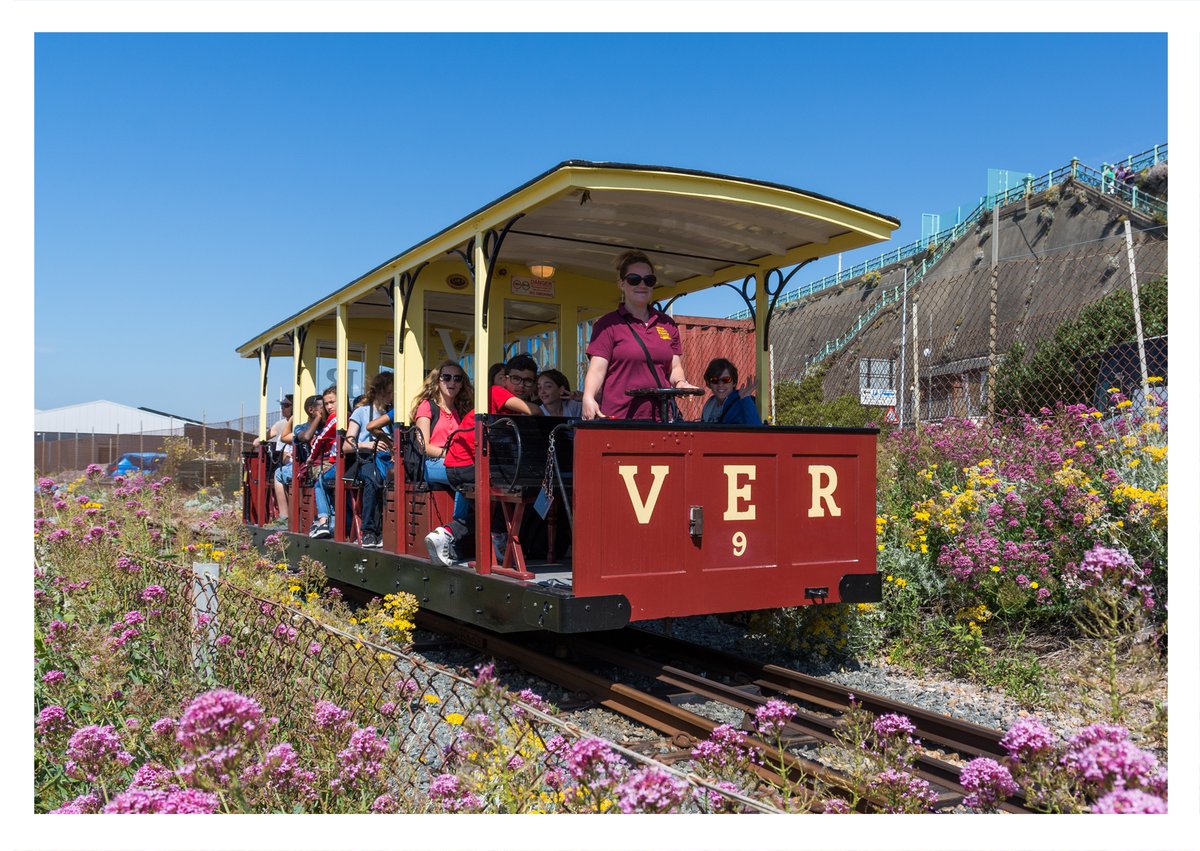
column 618, row 362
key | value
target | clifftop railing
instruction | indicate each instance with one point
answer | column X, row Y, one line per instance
column 1075, row 170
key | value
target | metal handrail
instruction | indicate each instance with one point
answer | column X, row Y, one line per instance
column 1075, row 170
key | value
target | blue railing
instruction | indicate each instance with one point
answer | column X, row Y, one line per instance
column 1074, row 170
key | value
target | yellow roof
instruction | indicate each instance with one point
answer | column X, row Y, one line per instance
column 700, row 228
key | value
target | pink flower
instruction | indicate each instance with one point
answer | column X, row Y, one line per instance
column 902, row 792
column 220, row 718
column 1129, row 801
column 152, row 775
column 181, row 801
column 835, row 805
column 771, row 718
column 593, row 762
column 51, row 678
column 650, row 790
column 84, row 804
column 388, row 709
column 363, row 757
column 1027, row 739
column 153, row 593
column 1103, row 759
column 46, row 485
column 52, row 721
column 93, row 751
column 892, row 724
column 447, row 794
column 223, row 640
column 988, row 783
column 385, row 804
column 313, row 648
column 164, row 727
column 726, row 749
column 329, row 715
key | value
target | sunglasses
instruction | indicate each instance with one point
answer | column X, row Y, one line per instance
column 452, row 378
column 634, row 280
column 724, row 379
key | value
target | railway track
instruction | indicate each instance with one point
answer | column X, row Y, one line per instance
column 683, row 672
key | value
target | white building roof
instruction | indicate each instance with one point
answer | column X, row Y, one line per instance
column 104, row 417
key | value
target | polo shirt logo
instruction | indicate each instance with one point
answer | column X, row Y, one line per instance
column 663, row 332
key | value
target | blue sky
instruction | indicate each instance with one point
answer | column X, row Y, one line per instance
column 192, row 190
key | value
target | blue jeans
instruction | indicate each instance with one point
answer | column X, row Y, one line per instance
column 435, row 474
column 322, row 490
column 374, row 476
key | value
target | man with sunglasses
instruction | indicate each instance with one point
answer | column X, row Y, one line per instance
column 725, row 405
column 634, row 347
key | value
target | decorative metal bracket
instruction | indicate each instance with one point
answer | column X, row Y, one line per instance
column 265, row 354
column 744, row 292
column 467, row 256
column 664, row 307
column 408, row 282
column 774, row 297
column 301, row 336
column 491, row 251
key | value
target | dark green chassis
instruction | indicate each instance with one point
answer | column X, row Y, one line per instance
column 493, row 602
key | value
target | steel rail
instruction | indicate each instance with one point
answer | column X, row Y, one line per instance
column 804, row 726
column 686, row 728
column 953, row 733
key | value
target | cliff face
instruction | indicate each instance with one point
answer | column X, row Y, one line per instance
column 1063, row 250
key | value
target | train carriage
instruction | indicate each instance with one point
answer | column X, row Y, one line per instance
column 663, row 518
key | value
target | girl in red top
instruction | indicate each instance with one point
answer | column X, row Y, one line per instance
column 459, row 463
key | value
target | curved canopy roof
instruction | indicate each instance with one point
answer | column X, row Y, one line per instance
column 700, row 228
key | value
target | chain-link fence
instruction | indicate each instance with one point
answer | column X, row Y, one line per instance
column 454, row 743
column 1007, row 324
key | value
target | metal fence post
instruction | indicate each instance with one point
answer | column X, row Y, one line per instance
column 993, row 299
column 916, row 366
column 204, row 604
column 903, row 343
column 1137, row 313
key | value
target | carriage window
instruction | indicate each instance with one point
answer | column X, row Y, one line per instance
column 449, row 330
column 326, row 374
column 531, row 328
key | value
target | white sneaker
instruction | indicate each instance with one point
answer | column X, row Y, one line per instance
column 440, row 545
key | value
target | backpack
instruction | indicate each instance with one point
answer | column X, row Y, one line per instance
column 413, row 449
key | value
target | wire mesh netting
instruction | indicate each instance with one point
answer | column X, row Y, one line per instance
column 374, row 723
column 971, row 338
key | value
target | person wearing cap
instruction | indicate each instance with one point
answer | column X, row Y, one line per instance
column 278, row 429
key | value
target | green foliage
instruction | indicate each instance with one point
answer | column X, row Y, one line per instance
column 803, row 404
column 1065, row 368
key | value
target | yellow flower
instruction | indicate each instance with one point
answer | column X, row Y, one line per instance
column 1079, row 443
column 293, row 588
column 454, row 717
column 1114, row 390
column 1125, row 403
column 880, row 548
column 1154, row 379
column 995, row 568
column 924, row 549
column 1135, row 462
column 1097, row 414
column 1033, row 585
column 903, row 582
column 432, row 699
column 890, row 579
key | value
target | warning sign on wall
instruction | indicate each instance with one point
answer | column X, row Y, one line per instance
column 890, row 416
